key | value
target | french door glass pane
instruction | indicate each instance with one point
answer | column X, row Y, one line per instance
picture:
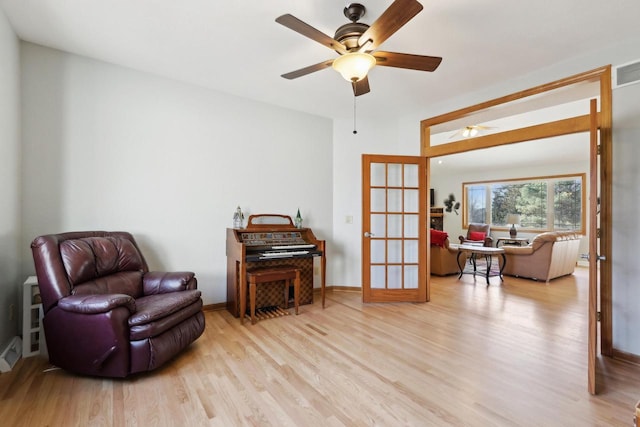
column 395, row 251
column 411, row 226
column 395, row 225
column 395, row 175
column 411, row 277
column 411, row 251
column 411, row 200
column 411, row 176
column 378, row 279
column 378, row 175
column 395, row 277
column 378, row 227
column 378, row 255
column 394, row 201
column 378, row 200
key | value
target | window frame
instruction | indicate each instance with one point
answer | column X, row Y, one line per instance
column 550, row 203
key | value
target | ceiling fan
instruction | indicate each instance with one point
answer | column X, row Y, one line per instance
column 470, row 131
column 356, row 42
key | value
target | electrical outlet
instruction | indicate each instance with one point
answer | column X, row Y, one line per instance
column 12, row 310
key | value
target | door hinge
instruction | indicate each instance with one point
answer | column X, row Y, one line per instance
column 598, row 316
column 599, row 150
column 598, row 233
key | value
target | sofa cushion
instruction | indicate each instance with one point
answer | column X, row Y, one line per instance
column 438, row 238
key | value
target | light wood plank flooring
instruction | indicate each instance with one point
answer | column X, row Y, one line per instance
column 511, row 354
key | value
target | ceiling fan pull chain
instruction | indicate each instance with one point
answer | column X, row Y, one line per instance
column 354, row 114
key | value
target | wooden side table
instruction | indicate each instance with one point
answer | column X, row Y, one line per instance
column 266, row 275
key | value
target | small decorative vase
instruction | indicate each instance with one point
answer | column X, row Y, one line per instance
column 298, row 220
column 238, row 216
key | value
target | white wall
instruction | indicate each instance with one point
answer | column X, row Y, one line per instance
column 109, row 148
column 10, row 279
column 626, row 203
column 373, row 137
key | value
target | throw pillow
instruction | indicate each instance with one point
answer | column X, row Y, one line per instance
column 477, row 236
column 438, row 237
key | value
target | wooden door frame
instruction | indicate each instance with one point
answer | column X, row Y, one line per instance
column 570, row 125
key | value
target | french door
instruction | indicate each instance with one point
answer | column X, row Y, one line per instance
column 394, row 228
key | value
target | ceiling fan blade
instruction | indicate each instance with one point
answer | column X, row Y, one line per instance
column 406, row 60
column 399, row 13
column 361, row 87
column 307, row 30
column 308, row 70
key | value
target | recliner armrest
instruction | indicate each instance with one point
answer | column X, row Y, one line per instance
column 161, row 282
column 94, row 304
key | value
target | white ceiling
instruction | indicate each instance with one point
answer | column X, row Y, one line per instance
column 238, row 48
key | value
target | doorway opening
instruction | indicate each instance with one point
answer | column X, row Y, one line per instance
column 595, row 83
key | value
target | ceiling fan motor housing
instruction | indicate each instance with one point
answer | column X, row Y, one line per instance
column 348, row 34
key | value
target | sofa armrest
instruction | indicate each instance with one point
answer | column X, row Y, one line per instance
column 518, row 250
column 94, row 304
column 161, row 282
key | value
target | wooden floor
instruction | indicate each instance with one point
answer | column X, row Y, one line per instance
column 504, row 355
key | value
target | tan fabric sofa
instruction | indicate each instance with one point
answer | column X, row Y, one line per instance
column 549, row 255
column 443, row 259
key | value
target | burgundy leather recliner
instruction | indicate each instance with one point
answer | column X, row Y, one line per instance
column 105, row 313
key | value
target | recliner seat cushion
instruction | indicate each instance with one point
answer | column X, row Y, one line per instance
column 126, row 282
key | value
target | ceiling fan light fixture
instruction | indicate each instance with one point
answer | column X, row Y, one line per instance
column 354, row 66
column 469, row 131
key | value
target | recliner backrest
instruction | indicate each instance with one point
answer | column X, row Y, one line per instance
column 92, row 264
column 85, row 263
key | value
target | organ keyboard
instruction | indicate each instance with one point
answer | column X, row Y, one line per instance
column 271, row 240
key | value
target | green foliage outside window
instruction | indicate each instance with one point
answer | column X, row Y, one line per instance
column 549, row 203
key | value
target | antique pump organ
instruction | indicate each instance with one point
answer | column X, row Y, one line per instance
column 269, row 241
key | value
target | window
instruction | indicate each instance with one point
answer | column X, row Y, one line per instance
column 543, row 203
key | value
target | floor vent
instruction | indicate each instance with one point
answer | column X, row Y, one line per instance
column 11, row 354
column 626, row 74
